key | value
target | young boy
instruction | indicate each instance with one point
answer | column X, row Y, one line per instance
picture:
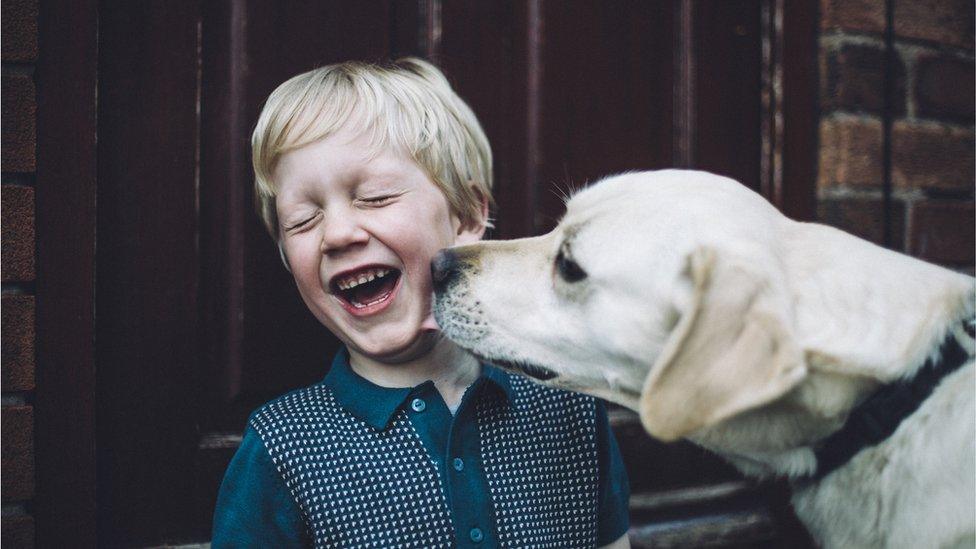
column 363, row 172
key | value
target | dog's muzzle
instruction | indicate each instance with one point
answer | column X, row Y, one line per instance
column 445, row 269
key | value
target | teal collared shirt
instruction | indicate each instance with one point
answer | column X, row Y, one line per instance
column 256, row 509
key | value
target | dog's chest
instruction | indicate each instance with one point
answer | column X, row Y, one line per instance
column 915, row 489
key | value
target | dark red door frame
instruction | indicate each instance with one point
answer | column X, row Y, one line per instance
column 64, row 401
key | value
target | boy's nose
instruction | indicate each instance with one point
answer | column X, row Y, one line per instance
column 340, row 230
column 443, row 269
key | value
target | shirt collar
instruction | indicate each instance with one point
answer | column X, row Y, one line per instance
column 500, row 378
column 361, row 397
column 376, row 405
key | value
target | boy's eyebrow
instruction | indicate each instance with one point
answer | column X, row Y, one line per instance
column 377, row 174
column 379, row 166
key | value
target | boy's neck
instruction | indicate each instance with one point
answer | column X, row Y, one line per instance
column 451, row 368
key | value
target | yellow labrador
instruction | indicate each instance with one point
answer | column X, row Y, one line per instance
column 791, row 349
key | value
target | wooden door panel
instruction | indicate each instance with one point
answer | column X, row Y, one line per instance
column 484, row 50
column 728, row 85
column 606, row 95
column 148, row 383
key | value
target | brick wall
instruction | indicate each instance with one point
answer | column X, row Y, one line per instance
column 18, row 49
column 931, row 117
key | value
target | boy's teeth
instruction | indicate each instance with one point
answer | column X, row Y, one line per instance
column 362, row 278
column 359, row 305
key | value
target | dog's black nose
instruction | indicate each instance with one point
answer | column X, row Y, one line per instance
column 443, row 268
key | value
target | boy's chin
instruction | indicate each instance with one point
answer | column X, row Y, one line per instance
column 418, row 347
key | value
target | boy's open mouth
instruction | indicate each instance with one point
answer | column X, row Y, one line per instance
column 366, row 288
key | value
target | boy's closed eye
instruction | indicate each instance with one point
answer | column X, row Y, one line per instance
column 373, row 201
column 303, row 223
column 378, row 200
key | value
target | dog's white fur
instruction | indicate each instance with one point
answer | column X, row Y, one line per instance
column 720, row 320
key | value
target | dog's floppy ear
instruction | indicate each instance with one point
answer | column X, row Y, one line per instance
column 730, row 351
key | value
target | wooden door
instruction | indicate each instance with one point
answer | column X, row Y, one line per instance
column 197, row 323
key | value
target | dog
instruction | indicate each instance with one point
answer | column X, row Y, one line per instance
column 791, row 349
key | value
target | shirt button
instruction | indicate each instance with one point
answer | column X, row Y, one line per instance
column 476, row 535
column 418, row 405
column 458, row 464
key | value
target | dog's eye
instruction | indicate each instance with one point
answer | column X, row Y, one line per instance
column 569, row 270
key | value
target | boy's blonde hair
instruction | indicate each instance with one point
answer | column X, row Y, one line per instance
column 408, row 105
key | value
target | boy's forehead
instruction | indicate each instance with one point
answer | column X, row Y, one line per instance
column 340, row 156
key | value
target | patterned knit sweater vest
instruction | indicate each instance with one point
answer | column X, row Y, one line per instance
column 358, row 486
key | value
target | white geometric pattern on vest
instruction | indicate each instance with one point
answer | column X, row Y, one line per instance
column 361, row 487
column 356, row 486
column 541, row 465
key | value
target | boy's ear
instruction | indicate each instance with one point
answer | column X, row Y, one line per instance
column 469, row 233
column 284, row 258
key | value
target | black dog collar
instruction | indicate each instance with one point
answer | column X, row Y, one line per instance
column 879, row 416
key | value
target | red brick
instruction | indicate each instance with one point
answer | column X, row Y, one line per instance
column 17, row 332
column 942, row 21
column 18, row 30
column 17, row 233
column 17, row 453
column 944, row 88
column 864, row 217
column 855, row 77
column 850, row 152
column 17, row 531
column 942, row 231
column 859, row 15
column 932, row 156
column 18, row 108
